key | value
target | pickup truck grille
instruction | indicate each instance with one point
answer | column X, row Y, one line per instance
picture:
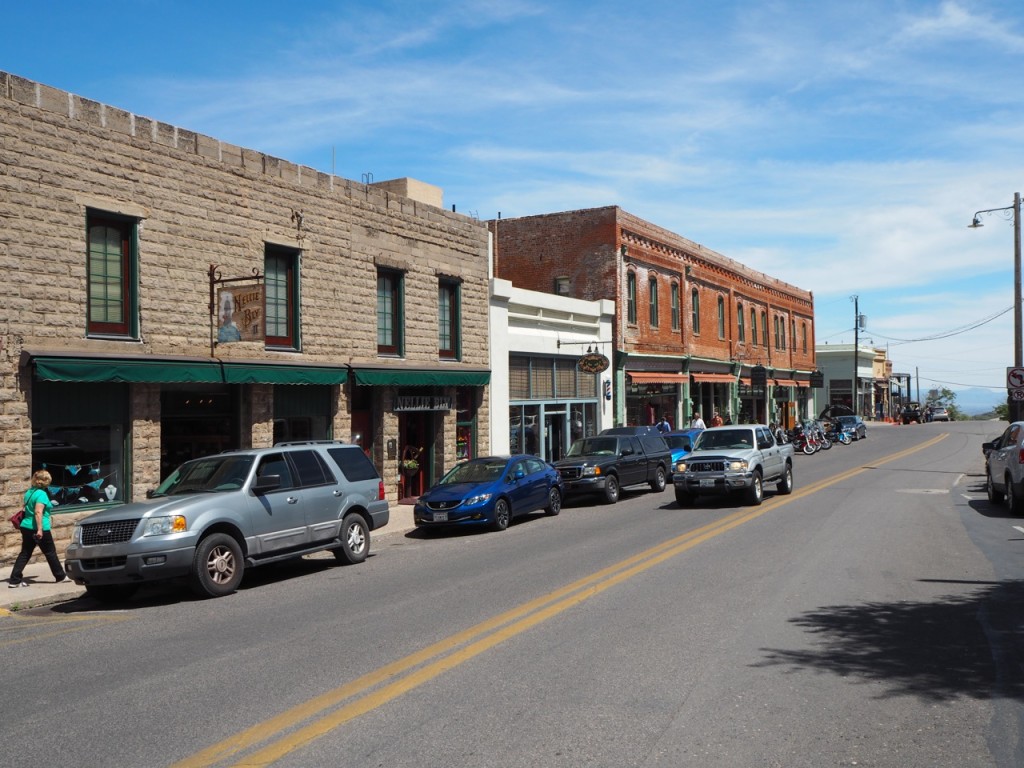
column 569, row 473
column 114, row 532
column 707, row 466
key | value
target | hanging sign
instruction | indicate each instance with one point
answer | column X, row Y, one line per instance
column 593, row 362
column 759, row 376
column 240, row 313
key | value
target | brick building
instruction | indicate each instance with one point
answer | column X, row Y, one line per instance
column 170, row 295
column 690, row 323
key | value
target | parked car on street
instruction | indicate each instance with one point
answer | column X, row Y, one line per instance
column 214, row 517
column 605, row 463
column 1004, row 470
column 736, row 459
column 681, row 443
column 939, row 413
column 490, row 491
column 853, row 424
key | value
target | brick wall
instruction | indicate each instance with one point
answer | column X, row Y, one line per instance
column 597, row 248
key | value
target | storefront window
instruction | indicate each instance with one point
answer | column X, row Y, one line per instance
column 465, row 424
column 81, row 447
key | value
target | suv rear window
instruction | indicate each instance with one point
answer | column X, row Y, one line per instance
column 353, row 463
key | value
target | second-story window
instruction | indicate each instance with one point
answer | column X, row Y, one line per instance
column 652, row 285
column 764, row 330
column 775, row 327
column 753, row 326
column 280, row 269
column 721, row 317
column 389, row 312
column 448, row 319
column 804, row 325
column 631, row 297
column 695, row 310
column 675, row 306
column 112, row 305
column 741, row 331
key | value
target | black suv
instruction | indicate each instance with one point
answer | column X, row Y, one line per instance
column 216, row 516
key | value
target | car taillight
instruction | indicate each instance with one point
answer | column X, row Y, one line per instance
column 380, row 491
column 1020, row 456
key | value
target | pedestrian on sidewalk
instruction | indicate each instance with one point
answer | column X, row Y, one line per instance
column 35, row 531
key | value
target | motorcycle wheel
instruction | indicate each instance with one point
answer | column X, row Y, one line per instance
column 808, row 448
column 826, row 444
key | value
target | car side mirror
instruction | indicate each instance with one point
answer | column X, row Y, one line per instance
column 518, row 475
column 626, row 452
column 266, row 483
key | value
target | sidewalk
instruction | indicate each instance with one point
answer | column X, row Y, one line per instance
column 43, row 591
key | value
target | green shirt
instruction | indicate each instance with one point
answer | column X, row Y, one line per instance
column 35, row 496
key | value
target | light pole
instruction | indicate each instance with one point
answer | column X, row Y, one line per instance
column 1014, row 406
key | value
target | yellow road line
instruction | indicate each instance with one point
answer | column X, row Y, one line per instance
column 475, row 640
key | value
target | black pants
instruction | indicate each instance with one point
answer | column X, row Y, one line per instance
column 28, row 546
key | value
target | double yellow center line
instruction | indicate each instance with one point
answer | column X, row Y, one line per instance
column 329, row 710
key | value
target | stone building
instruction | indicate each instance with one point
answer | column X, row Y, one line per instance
column 691, row 324
column 170, row 295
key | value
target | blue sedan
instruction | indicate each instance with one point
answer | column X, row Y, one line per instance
column 490, row 491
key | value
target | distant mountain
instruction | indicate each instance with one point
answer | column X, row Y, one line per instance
column 978, row 400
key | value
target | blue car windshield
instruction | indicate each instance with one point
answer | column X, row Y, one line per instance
column 679, row 441
column 214, row 474
column 475, row 472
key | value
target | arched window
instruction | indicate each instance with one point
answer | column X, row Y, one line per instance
column 721, row 317
column 631, row 297
column 764, row 329
column 753, row 326
column 652, row 285
column 695, row 309
column 675, row 306
column 804, row 324
column 775, row 326
column 741, row 331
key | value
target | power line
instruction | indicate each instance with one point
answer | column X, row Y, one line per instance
column 947, row 334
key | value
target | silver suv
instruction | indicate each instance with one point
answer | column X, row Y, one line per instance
column 216, row 516
column 1004, row 467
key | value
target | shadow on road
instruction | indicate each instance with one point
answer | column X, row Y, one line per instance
column 956, row 646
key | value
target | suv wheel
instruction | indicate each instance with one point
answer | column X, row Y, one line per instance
column 1013, row 499
column 756, row 490
column 658, row 483
column 217, row 567
column 355, row 540
column 994, row 496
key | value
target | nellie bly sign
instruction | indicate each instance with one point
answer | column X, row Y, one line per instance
column 240, row 314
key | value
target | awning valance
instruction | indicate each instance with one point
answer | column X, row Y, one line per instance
column 785, row 383
column 178, row 370
column 657, row 377
column 398, row 376
column 713, row 378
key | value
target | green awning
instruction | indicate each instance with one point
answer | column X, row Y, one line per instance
column 154, row 370
column 421, row 377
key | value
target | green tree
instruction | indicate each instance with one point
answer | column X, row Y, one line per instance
column 947, row 399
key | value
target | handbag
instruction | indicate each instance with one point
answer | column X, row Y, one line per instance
column 17, row 517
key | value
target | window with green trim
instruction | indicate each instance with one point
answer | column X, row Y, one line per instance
column 112, row 267
column 631, row 297
column 675, row 306
column 280, row 269
column 741, row 332
column 652, row 285
column 695, row 309
column 721, row 317
column 448, row 322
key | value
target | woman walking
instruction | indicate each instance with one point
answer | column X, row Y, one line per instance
column 35, row 531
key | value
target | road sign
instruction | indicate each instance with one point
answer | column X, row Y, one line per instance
column 1015, row 378
column 1017, row 394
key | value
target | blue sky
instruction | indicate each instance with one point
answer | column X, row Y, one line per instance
column 840, row 146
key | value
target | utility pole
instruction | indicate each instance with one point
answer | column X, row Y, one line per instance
column 856, row 344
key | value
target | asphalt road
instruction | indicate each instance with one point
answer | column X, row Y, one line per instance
column 869, row 619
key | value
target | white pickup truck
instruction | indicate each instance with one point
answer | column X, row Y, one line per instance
column 739, row 458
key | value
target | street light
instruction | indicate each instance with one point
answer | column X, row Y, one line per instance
column 1018, row 345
